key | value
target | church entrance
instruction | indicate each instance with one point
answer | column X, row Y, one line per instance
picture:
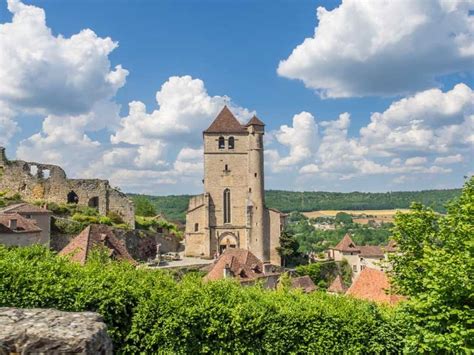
column 228, row 240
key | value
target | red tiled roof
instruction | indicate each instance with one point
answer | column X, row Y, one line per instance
column 225, row 122
column 304, row 283
column 242, row 264
column 93, row 236
column 24, row 208
column 255, row 121
column 24, row 225
column 346, row 244
column 337, row 286
column 371, row 250
column 373, row 285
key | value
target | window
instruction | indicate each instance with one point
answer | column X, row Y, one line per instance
column 196, row 227
column 255, row 174
column 231, row 143
column 226, row 206
column 72, row 197
column 221, row 143
column 354, row 268
column 226, row 167
column 250, row 189
column 362, row 267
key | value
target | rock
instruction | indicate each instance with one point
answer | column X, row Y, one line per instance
column 48, row 331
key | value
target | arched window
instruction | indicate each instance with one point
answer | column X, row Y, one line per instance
column 226, row 206
column 72, row 197
column 231, row 142
column 221, row 143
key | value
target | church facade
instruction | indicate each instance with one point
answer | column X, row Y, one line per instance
column 231, row 213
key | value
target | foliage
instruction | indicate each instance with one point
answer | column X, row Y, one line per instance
column 174, row 206
column 343, row 217
column 147, row 311
column 435, row 268
column 155, row 223
column 288, row 249
column 322, row 273
column 143, row 206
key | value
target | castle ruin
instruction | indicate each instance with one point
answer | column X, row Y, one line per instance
column 36, row 181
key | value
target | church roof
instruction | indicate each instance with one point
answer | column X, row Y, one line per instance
column 93, row 236
column 242, row 264
column 225, row 122
column 255, row 121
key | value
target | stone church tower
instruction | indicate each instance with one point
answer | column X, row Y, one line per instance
column 231, row 213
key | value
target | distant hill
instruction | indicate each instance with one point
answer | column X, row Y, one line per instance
column 174, row 206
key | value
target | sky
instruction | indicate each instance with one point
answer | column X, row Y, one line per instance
column 356, row 95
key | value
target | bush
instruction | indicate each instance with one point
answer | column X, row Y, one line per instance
column 148, row 311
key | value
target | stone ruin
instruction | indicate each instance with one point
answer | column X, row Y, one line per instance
column 36, row 181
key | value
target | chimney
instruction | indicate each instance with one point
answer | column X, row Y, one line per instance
column 227, row 271
column 12, row 224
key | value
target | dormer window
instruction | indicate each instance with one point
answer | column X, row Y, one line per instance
column 221, row 143
column 231, row 143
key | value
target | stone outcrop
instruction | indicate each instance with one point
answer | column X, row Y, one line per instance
column 26, row 331
column 36, row 181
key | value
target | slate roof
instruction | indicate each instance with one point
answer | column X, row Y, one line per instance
column 347, row 245
column 242, row 263
column 24, row 225
column 304, row 283
column 255, row 121
column 226, row 122
column 337, row 286
column 373, row 285
column 25, row 208
column 93, row 236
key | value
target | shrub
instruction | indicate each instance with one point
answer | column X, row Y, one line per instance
column 147, row 311
column 115, row 217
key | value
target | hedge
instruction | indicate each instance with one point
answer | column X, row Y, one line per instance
column 149, row 311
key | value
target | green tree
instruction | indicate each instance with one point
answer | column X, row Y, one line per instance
column 435, row 269
column 344, row 218
column 288, row 249
column 143, row 207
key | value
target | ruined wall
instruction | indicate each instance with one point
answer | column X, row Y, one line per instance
column 36, row 181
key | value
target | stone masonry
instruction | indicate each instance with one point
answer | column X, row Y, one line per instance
column 48, row 331
column 36, row 181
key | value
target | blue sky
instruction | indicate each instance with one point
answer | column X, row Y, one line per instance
column 354, row 65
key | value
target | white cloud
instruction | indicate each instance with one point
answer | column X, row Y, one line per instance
column 185, row 108
column 377, row 47
column 301, row 139
column 416, row 161
column 8, row 127
column 40, row 72
column 450, row 159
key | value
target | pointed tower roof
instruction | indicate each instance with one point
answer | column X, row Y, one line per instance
column 255, row 121
column 225, row 122
column 337, row 286
column 346, row 244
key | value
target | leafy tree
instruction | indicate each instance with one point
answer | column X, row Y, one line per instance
column 144, row 207
column 288, row 249
column 343, row 217
column 435, row 269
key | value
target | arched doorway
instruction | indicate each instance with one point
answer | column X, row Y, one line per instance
column 72, row 197
column 227, row 240
column 94, row 202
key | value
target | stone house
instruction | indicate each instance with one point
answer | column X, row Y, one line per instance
column 41, row 216
column 37, row 181
column 360, row 257
column 16, row 230
column 232, row 213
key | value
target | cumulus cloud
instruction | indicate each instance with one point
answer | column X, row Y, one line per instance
column 40, row 72
column 450, row 159
column 376, row 47
column 8, row 127
column 185, row 108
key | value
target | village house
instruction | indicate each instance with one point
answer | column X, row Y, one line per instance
column 232, row 213
column 16, row 230
column 360, row 257
column 40, row 216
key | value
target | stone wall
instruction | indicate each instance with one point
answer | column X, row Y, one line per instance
column 48, row 331
column 36, row 181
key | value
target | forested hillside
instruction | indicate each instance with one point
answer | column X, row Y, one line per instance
column 174, row 206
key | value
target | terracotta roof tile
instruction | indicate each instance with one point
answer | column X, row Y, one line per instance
column 24, row 225
column 92, row 236
column 225, row 122
column 304, row 283
column 373, row 285
column 255, row 121
column 24, row 208
column 371, row 250
column 337, row 286
column 346, row 244
column 242, row 263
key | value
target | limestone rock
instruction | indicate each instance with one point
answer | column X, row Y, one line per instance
column 47, row 331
